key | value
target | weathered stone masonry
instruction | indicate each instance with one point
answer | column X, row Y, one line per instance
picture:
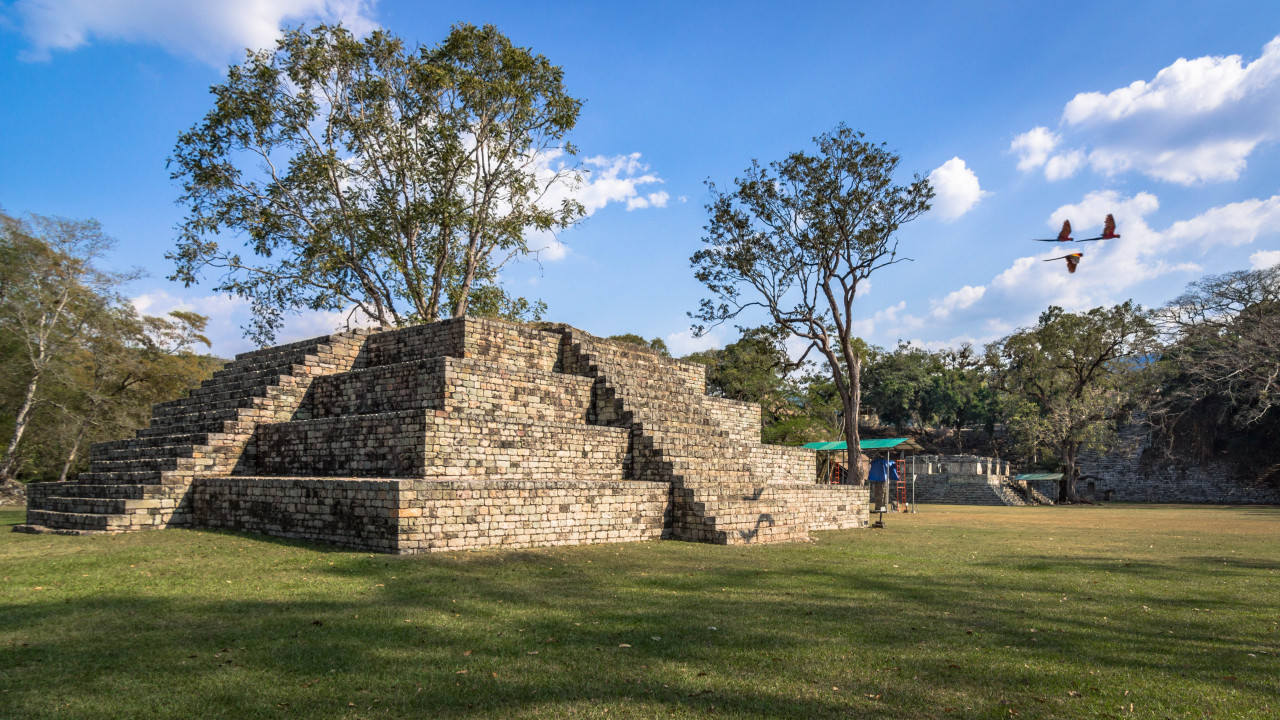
column 465, row 433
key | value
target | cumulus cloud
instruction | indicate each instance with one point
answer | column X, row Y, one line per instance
column 1264, row 259
column 683, row 343
column 604, row 180
column 1033, row 147
column 957, row 300
column 212, row 32
column 891, row 319
column 1238, row 223
column 1197, row 121
column 618, row 179
column 957, row 189
column 1109, row 270
column 1063, row 166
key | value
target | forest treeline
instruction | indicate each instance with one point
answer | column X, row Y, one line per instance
column 78, row 363
column 82, row 365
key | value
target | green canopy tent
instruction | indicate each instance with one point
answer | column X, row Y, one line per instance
column 888, row 446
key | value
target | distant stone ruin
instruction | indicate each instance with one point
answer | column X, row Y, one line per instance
column 974, row 480
column 465, row 433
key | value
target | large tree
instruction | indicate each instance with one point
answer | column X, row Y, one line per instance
column 794, row 240
column 52, row 287
column 1074, row 375
column 1220, row 385
column 361, row 173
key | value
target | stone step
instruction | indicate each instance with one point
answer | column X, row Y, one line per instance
column 42, row 530
column 104, row 506
column 129, row 477
column 76, row 521
column 151, row 464
column 225, row 427
column 91, row 490
column 104, row 449
column 148, row 452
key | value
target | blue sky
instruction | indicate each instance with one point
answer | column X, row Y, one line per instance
column 1166, row 114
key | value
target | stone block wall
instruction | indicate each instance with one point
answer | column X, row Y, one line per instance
column 451, row 515
column 381, row 445
column 358, row 513
column 1124, row 472
column 833, row 507
column 740, row 420
column 781, row 464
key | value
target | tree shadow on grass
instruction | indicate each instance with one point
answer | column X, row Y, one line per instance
column 644, row 630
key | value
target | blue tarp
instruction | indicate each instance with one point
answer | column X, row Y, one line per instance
column 883, row 470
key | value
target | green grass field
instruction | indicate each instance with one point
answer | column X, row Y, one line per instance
column 1120, row 611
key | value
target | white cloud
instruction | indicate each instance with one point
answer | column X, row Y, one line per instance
column 1231, row 225
column 547, row 248
column 604, row 180
column 1108, row 271
column 617, row 179
column 893, row 317
column 1187, row 87
column 683, row 343
column 1210, row 161
column 957, row 189
column 957, row 300
column 213, row 31
column 1033, row 147
column 1197, row 121
column 1264, row 259
column 1063, row 166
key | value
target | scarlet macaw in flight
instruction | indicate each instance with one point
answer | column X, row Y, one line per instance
column 1064, row 236
column 1108, row 230
column 1072, row 260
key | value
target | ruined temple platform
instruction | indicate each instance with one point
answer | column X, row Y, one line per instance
column 465, row 433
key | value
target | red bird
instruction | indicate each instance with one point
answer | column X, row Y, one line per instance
column 1108, row 230
column 1064, row 236
column 1072, row 260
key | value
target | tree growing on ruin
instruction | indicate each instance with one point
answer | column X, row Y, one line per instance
column 793, row 240
column 335, row 172
column 1073, row 376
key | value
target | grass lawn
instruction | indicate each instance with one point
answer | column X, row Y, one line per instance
column 1118, row 611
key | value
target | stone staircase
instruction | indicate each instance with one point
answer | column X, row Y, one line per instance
column 675, row 438
column 142, row 482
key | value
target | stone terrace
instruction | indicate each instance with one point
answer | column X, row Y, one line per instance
column 465, row 433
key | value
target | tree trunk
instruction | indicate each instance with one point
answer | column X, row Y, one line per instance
column 75, row 449
column 1067, row 485
column 852, row 406
column 959, row 439
column 19, row 427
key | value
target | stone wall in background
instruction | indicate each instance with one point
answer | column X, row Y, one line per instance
column 1126, row 476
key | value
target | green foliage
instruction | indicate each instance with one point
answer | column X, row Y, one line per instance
column 78, row 364
column 1072, row 377
column 894, row 383
column 1219, row 382
column 361, row 172
column 657, row 344
column 793, row 240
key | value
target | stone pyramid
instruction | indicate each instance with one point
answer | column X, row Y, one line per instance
column 464, row 433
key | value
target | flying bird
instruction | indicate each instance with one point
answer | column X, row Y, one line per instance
column 1072, row 260
column 1108, row 230
column 1064, row 236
